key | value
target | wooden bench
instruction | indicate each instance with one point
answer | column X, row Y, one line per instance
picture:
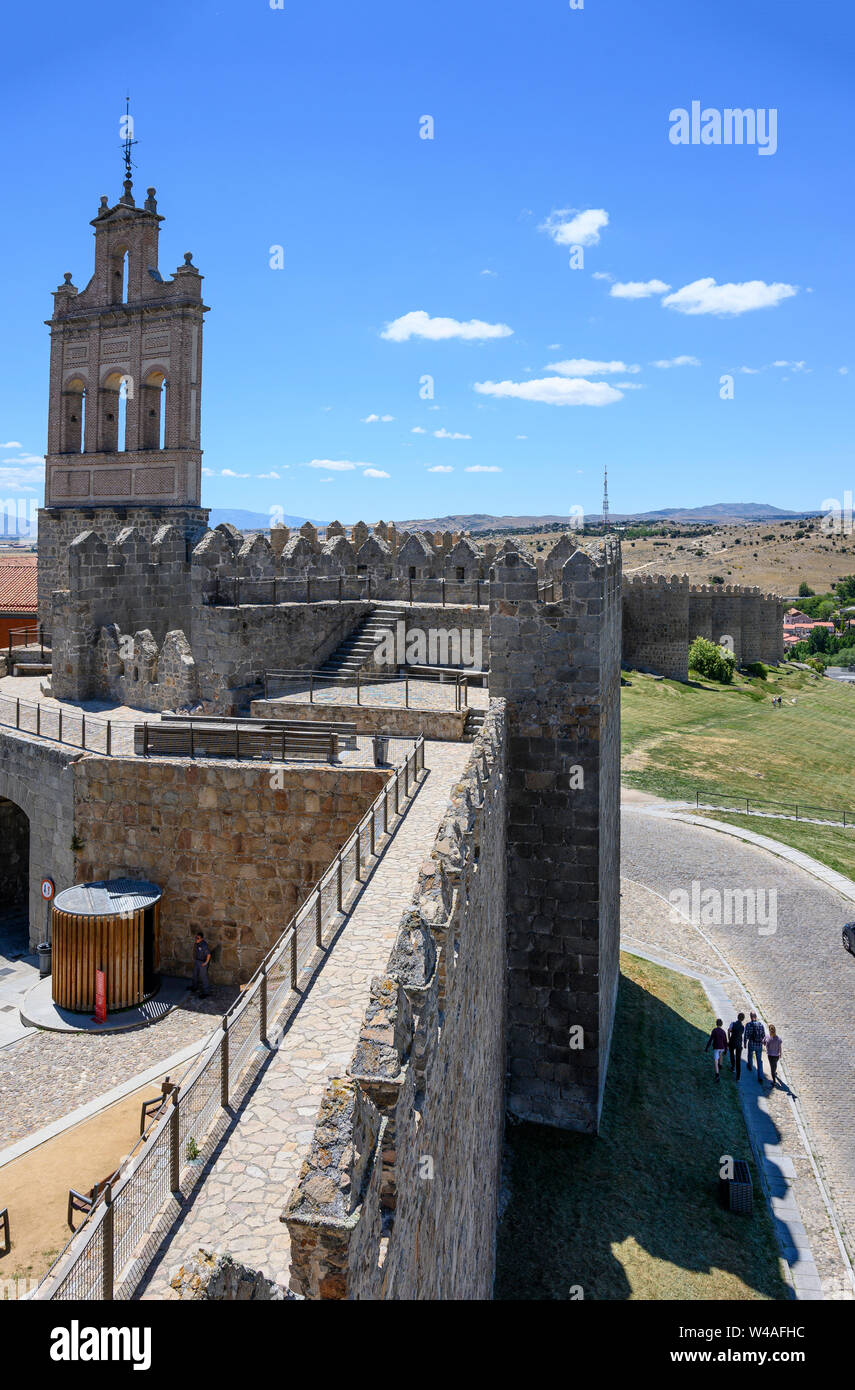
column 168, row 1092
column 345, row 729
column 84, row 1202
column 242, row 742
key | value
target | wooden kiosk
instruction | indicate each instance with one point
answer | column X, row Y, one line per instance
column 114, row 927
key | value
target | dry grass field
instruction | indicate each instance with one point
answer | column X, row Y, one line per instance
column 775, row 556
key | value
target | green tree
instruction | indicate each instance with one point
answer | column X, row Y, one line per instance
column 805, row 591
column 711, row 661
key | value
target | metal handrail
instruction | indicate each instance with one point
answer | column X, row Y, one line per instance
column 356, row 679
column 216, row 1051
column 32, row 629
column 799, row 809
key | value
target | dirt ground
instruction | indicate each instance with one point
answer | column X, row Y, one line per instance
column 35, row 1186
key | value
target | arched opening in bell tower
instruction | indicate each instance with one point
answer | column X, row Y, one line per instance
column 73, row 419
column 154, row 411
column 113, row 395
column 118, row 286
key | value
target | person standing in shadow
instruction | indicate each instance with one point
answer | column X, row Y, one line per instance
column 735, row 1035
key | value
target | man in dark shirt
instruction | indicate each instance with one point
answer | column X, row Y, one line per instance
column 734, row 1042
column 717, row 1040
column 201, row 961
column 755, row 1036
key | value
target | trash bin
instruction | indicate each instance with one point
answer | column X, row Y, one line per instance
column 381, row 749
column 43, row 949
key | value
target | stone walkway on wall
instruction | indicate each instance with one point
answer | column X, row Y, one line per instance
column 237, row 1206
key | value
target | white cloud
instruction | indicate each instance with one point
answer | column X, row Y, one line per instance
column 374, row 473
column 229, row 473
column 707, row 297
column 482, row 468
column 638, row 289
column 13, row 444
column 751, row 371
column 553, row 390
column 793, row 366
column 520, row 436
column 335, row 465
column 628, row 386
column 417, row 429
column 20, row 479
column 448, row 434
column 419, row 324
column 209, row 473
column 377, row 419
column 271, row 474
column 684, row 361
column 28, row 458
column 604, row 275
column 844, row 371
column 441, row 468
column 583, row 366
column 570, row 227
column 494, row 275
column 553, row 347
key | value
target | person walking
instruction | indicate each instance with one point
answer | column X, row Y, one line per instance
column 201, row 961
column 773, row 1052
column 717, row 1040
column 735, row 1035
column 755, row 1037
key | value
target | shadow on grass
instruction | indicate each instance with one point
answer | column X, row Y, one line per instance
column 634, row 1212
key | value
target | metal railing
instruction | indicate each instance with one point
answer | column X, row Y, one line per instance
column 236, row 591
column 102, row 1259
column 61, row 724
column 33, row 635
column 313, row 682
column 797, row 810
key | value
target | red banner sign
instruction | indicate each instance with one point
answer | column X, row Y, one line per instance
column 100, row 996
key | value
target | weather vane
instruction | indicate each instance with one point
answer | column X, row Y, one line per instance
column 128, row 142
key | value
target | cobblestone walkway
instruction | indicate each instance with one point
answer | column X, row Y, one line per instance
column 798, row 974
column 238, row 1205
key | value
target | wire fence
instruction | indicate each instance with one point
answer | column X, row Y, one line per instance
column 797, row 810
column 106, row 1256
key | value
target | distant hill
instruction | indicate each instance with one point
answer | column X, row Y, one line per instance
column 721, row 513
column 253, row 521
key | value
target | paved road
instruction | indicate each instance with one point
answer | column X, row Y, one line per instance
column 799, row 974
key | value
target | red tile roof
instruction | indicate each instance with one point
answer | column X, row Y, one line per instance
column 18, row 586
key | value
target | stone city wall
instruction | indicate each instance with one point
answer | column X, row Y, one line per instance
column 234, row 855
column 398, row 1196
column 59, row 526
column 557, row 665
column 39, row 778
column 663, row 616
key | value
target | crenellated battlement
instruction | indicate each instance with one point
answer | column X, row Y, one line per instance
column 662, row 615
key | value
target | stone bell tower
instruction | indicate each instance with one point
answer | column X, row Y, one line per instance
column 124, row 413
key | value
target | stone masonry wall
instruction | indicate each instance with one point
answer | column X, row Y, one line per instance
column 558, row 667
column 233, row 854
column 38, row 777
column 398, row 1196
column 58, row 527
column 662, row 617
column 233, row 647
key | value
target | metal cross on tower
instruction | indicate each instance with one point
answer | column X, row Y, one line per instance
column 128, row 142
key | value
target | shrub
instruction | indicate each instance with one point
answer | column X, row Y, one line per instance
column 756, row 668
column 805, row 591
column 711, row 661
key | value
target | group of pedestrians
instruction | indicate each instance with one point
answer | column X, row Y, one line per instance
column 751, row 1036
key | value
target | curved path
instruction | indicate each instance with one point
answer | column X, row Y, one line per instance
column 797, row 971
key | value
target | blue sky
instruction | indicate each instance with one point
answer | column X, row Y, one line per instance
column 300, row 128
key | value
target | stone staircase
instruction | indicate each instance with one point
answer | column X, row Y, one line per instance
column 352, row 654
column 474, row 724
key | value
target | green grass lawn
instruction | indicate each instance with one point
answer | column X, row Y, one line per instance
column 633, row 1213
column 729, row 738
column 831, row 845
